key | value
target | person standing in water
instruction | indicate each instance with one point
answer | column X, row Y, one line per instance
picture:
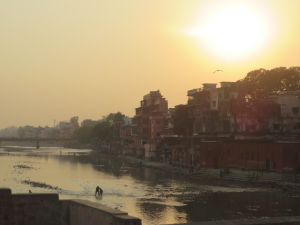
column 97, row 192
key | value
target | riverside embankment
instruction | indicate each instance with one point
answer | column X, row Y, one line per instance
column 237, row 177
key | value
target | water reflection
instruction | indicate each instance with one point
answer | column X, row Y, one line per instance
column 228, row 206
column 155, row 197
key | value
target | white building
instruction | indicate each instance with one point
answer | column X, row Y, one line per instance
column 289, row 112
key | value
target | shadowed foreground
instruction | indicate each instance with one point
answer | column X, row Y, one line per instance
column 47, row 209
column 31, row 209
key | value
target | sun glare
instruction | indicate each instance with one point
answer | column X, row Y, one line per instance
column 231, row 33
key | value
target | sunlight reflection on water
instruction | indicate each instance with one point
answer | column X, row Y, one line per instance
column 156, row 198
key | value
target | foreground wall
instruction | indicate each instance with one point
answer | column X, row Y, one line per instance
column 83, row 212
column 47, row 209
column 28, row 208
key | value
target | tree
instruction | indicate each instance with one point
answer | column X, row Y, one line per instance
column 89, row 123
column 109, row 117
column 261, row 83
column 74, row 122
column 90, row 129
column 84, row 134
column 22, row 130
column 103, row 130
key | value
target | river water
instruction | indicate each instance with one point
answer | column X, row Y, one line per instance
column 155, row 197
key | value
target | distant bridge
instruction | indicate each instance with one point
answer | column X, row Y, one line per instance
column 36, row 139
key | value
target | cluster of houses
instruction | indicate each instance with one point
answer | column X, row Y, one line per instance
column 61, row 130
column 214, row 129
column 11, row 131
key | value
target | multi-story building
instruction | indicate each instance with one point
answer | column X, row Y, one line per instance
column 65, row 129
column 148, row 122
column 169, row 122
column 226, row 93
column 209, row 107
column 289, row 119
column 221, row 111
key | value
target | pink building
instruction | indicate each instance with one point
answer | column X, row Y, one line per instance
column 148, row 122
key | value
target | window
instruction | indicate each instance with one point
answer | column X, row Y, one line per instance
column 295, row 110
column 242, row 156
column 228, row 152
column 157, row 121
column 213, row 103
column 252, row 156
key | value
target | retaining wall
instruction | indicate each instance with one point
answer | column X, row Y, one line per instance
column 47, row 209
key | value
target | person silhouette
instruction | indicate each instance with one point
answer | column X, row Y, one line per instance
column 101, row 191
column 97, row 192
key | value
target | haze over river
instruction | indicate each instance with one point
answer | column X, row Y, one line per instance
column 155, row 197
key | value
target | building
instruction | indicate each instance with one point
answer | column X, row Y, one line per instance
column 148, row 122
column 9, row 132
column 289, row 119
column 209, row 107
column 169, row 122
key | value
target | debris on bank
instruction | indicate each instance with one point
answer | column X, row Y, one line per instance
column 20, row 169
column 40, row 185
column 23, row 167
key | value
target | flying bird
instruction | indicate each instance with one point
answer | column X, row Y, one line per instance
column 30, row 191
column 218, row 70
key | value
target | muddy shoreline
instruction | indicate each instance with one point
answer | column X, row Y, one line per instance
column 182, row 174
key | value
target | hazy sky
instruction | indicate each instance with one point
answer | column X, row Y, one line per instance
column 87, row 58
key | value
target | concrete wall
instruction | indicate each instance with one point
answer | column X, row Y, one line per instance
column 28, row 209
column 47, row 209
column 83, row 212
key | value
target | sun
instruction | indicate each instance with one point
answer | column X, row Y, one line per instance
column 234, row 32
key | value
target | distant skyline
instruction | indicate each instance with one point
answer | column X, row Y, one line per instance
column 68, row 58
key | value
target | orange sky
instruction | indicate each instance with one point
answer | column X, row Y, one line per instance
column 88, row 58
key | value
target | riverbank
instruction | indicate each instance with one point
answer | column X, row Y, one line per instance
column 236, row 177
